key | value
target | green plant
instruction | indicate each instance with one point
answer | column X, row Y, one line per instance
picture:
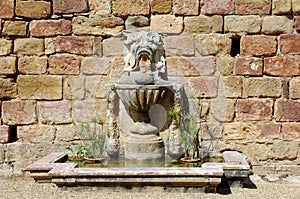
column 77, row 152
column 188, row 130
column 110, row 6
column 92, row 138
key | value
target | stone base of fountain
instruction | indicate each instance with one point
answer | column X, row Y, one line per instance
column 144, row 147
column 53, row 168
column 143, row 143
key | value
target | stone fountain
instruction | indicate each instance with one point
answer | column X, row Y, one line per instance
column 144, row 88
column 138, row 107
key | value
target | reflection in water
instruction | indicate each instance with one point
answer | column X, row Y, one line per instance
column 149, row 163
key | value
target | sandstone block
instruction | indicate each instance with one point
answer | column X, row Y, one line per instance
column 282, row 65
column 50, row 45
column 281, row 6
column 258, row 45
column 292, row 170
column 29, row 46
column 73, row 88
column 186, row 7
column 64, row 64
column 222, row 109
column 94, row 86
column 179, row 45
column 7, row 9
column 161, row 6
column 225, row 65
column 296, row 7
column 66, row 133
column 217, row 21
column 263, row 87
column 254, row 109
column 198, row 24
column 5, row 46
column 204, row 86
column 36, row 134
column 261, row 131
column 16, row 112
column 252, row 7
column 277, row 25
column 166, row 24
column 88, row 110
column 97, row 49
column 8, row 65
column 117, row 68
column 287, row 110
column 237, row 130
column 5, row 134
column 212, row 44
column 231, row 87
column 31, row 65
column 204, row 108
column 289, row 43
column 237, row 24
column 192, row 66
column 250, row 66
column 99, row 7
column 113, row 47
column 8, row 88
column 285, row 150
column 40, row 87
column 14, row 28
column 134, row 22
column 134, row 7
column 95, row 65
column 33, row 9
column 220, row 7
column 291, row 130
column 49, row 28
column 257, row 152
column 295, row 88
column 74, row 44
column 21, row 154
column 211, row 130
column 297, row 23
column 58, row 112
column 268, row 130
column 97, row 25
column 69, row 6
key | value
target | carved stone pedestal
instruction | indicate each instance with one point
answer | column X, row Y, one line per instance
column 144, row 145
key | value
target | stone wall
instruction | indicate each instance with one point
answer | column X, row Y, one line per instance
column 240, row 57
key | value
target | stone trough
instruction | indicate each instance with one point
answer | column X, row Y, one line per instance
column 53, row 168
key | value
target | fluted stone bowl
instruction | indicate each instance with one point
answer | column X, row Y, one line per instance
column 138, row 99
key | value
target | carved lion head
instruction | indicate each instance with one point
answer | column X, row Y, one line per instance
column 145, row 52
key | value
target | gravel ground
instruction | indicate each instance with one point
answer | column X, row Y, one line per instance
column 18, row 188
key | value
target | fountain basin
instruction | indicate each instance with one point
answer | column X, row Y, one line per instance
column 52, row 168
column 138, row 99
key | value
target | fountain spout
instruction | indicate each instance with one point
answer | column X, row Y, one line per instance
column 145, row 60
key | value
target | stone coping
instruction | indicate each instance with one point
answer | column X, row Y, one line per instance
column 52, row 168
column 133, row 172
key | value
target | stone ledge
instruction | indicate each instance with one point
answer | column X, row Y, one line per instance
column 137, row 172
column 39, row 170
column 52, row 168
column 235, row 166
column 138, row 181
